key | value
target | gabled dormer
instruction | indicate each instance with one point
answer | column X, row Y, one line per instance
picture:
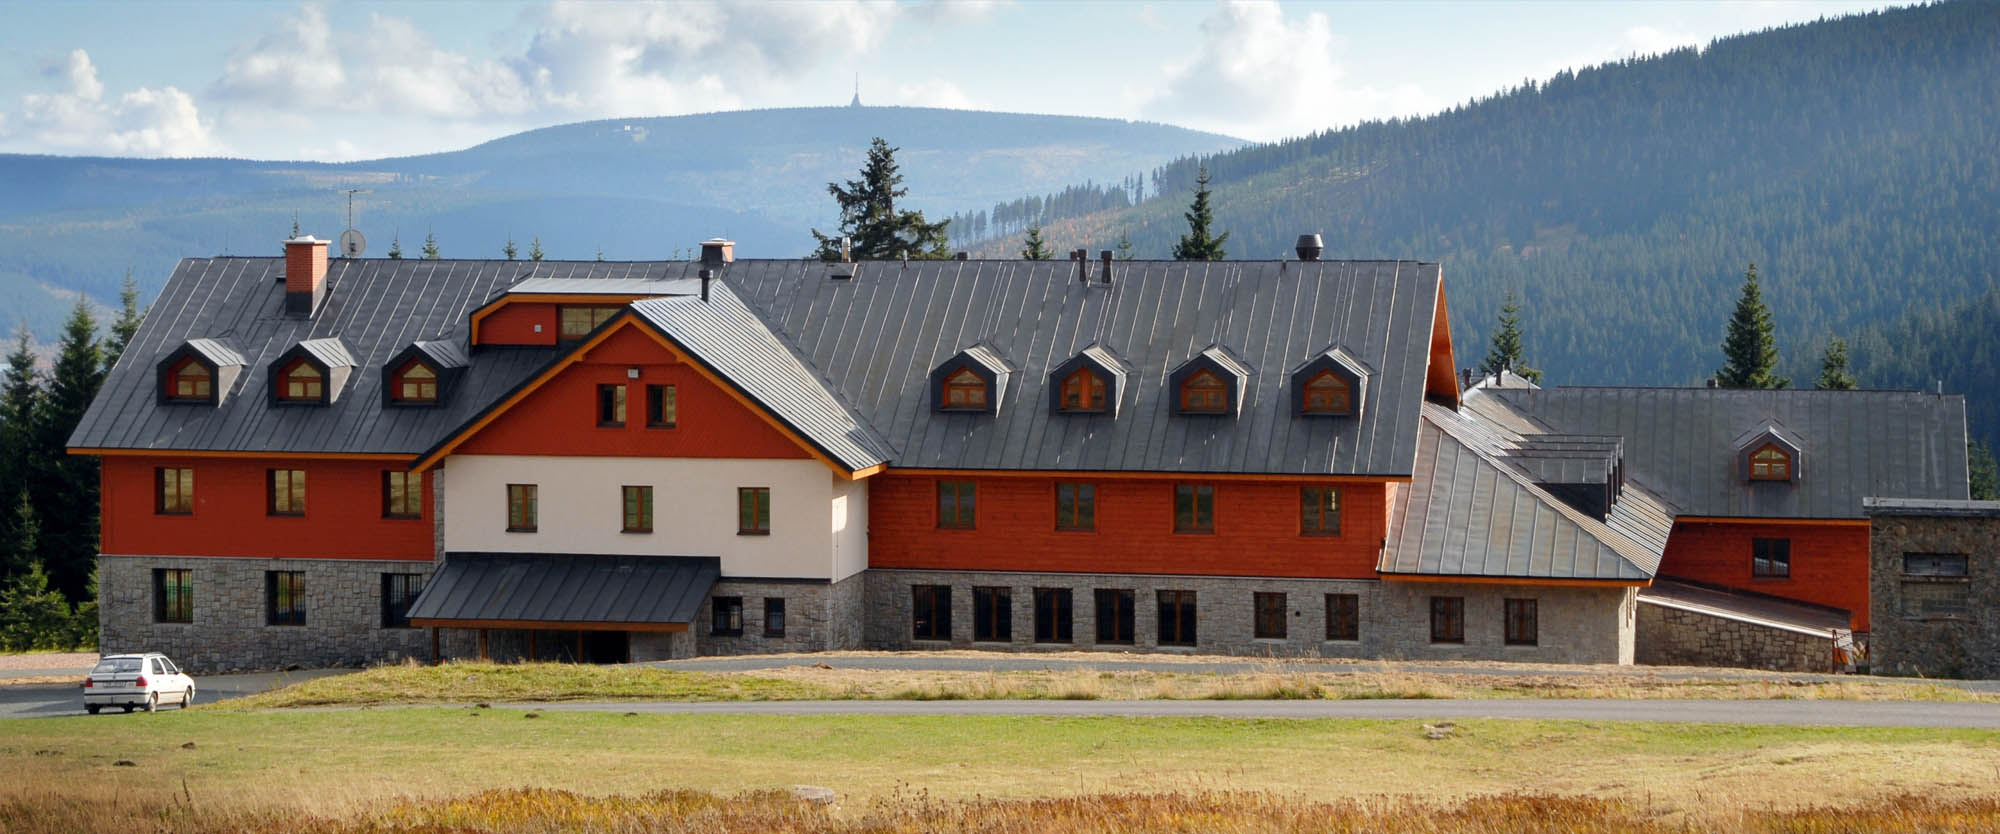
column 1769, row 453
column 313, row 372
column 1209, row 384
column 1333, row 383
column 1091, row 382
column 199, row 372
column 422, row 374
column 971, row 381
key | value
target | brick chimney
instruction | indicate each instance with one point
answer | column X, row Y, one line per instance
column 305, row 275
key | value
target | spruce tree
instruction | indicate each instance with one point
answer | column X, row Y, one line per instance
column 1036, row 250
column 535, row 248
column 20, row 409
column 1750, row 351
column 431, row 247
column 1984, row 473
column 395, row 247
column 509, row 249
column 1197, row 244
column 1833, row 372
column 1123, row 248
column 19, row 536
column 600, row 254
column 1506, row 351
column 870, row 220
column 122, row 330
column 66, row 499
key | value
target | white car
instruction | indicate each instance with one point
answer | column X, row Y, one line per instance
column 136, row 680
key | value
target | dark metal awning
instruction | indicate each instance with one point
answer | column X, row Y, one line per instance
column 566, row 591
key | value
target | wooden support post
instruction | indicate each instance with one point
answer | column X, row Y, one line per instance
column 482, row 644
column 579, row 645
column 436, row 658
column 531, row 645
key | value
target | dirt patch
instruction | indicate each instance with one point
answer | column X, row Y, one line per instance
column 47, row 660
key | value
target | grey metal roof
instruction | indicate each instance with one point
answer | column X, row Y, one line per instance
column 1682, row 442
column 1470, row 512
column 329, row 351
column 216, row 351
column 444, row 354
column 1746, row 607
column 1934, row 507
column 567, row 588
column 729, row 337
column 657, row 284
column 877, row 336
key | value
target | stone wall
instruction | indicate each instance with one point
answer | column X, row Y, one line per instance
column 819, row 616
column 343, row 614
column 1677, row 637
column 1938, row 626
column 1580, row 625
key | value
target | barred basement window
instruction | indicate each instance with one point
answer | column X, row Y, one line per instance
column 173, row 595
column 1522, row 628
column 1177, row 621
column 1771, row 558
column 398, row 591
column 1447, row 619
column 1936, row 585
column 286, row 491
column 402, row 494
column 1052, row 615
column 1076, row 507
column 774, row 616
column 728, row 617
column 176, row 491
column 1343, row 616
column 1270, row 622
column 993, row 615
column 1319, row 511
column 662, row 407
column 958, row 505
column 930, row 612
column 285, row 597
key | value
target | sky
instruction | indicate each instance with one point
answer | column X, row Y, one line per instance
column 338, row 80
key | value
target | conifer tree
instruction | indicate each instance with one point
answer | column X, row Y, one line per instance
column 509, row 249
column 1506, row 351
column 431, row 247
column 1833, row 372
column 1197, row 244
column 66, row 499
column 395, row 247
column 870, row 220
column 127, row 324
column 535, row 248
column 1036, row 250
column 20, row 409
column 1984, row 473
column 1123, row 247
column 600, row 254
column 295, row 224
column 1750, row 351
column 20, row 536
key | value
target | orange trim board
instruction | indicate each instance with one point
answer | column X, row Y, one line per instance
column 551, row 625
column 1183, row 477
column 491, row 307
column 221, row 453
column 1772, row 522
column 1519, row 580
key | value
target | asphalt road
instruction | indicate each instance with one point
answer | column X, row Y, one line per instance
column 42, row 700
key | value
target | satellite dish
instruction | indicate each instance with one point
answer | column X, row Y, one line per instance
column 352, row 244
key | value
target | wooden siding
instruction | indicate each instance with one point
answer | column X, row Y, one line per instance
column 343, row 517
column 1829, row 561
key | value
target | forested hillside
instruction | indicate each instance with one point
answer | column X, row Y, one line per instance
column 1953, row 346
column 1852, row 160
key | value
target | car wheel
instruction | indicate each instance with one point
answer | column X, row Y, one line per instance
column 91, row 708
column 187, row 698
column 153, row 702
column 127, row 708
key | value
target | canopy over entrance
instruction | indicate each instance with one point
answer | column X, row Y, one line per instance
column 566, row 591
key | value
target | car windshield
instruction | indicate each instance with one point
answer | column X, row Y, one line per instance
column 117, row 666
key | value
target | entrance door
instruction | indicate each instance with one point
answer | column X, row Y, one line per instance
column 607, row 647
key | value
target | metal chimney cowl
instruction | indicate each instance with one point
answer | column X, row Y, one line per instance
column 1310, row 247
column 717, row 252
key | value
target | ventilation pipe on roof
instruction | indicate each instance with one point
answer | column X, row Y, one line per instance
column 846, row 250
column 305, row 275
column 1104, row 270
column 706, row 276
column 717, row 253
column 960, row 255
column 1082, row 259
column 1309, row 247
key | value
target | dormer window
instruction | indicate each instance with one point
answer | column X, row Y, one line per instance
column 190, row 380
column 965, row 390
column 1327, row 393
column 416, row 383
column 301, row 382
column 1770, row 463
column 1083, row 391
column 1204, row 393
column 577, row 322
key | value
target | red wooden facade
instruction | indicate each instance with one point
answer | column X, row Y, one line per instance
column 343, row 519
column 1829, row 560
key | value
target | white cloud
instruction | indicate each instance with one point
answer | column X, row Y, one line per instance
column 141, row 122
column 1261, row 74
column 938, row 92
column 955, row 11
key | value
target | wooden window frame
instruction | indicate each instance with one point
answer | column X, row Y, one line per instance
column 206, row 380
column 1192, row 398
column 523, row 508
column 636, row 508
column 662, row 407
column 294, row 492
column 934, row 601
column 1770, row 558
column 412, row 506
column 1055, row 616
column 1313, row 511
column 173, row 596
column 992, row 614
column 753, row 518
column 774, row 612
column 400, row 382
column 977, row 389
column 1312, row 403
column 1778, row 470
column 1119, row 625
column 595, row 316
column 1271, row 614
column 399, row 590
column 1179, row 620
column 176, row 498
column 963, row 511
column 306, row 396
column 1196, row 524
column 1521, row 625
column 611, row 405
column 1079, row 519
column 289, row 585
column 1343, row 617
column 1448, row 621
column 725, row 617
column 1090, row 389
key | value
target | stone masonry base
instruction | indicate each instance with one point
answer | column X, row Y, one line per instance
column 1676, row 637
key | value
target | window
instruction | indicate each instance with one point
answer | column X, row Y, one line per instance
column 1083, row 391
column 286, row 489
column 1936, row 585
column 1319, row 511
column 1771, row 558
column 753, row 511
column 965, row 389
column 1770, row 464
column 577, row 322
column 415, row 383
column 993, row 615
column 190, row 380
column 1114, row 615
column 958, row 505
column 774, row 616
column 1447, row 619
column 610, row 406
column 638, row 509
column 1270, row 623
column 1204, row 393
column 1327, row 393
column 173, row 595
column 1194, row 508
column 398, row 591
column 402, row 494
column 930, row 612
column 176, row 490
column 521, row 509
column 1052, row 615
column 285, row 597
column 1076, row 507
column 301, row 382
column 1936, row 564
column 1177, row 618
column 726, row 618
column 662, row 409
column 1343, row 616
column 1521, row 626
